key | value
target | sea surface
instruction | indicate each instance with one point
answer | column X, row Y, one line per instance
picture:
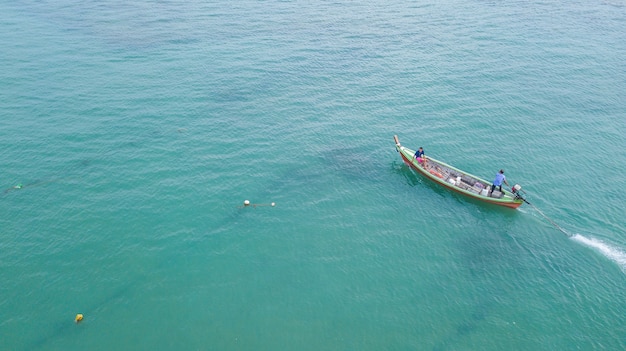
column 131, row 132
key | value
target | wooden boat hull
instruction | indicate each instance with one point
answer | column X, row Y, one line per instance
column 432, row 172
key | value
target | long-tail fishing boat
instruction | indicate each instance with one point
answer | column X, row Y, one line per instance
column 459, row 181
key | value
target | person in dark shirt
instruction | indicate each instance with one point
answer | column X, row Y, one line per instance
column 419, row 156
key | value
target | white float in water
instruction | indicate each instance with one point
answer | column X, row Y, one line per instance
column 247, row 203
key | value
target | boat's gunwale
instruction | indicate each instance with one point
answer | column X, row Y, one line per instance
column 407, row 154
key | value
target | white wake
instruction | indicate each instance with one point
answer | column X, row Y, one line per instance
column 613, row 253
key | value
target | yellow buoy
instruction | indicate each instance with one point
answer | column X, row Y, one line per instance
column 79, row 317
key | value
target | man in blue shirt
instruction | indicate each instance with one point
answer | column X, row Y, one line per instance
column 500, row 178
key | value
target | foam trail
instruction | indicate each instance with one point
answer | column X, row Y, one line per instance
column 615, row 254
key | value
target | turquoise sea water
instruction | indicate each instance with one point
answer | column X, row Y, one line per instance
column 137, row 130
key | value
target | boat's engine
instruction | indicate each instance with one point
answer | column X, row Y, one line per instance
column 517, row 190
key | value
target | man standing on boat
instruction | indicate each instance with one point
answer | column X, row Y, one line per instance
column 419, row 156
column 500, row 178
